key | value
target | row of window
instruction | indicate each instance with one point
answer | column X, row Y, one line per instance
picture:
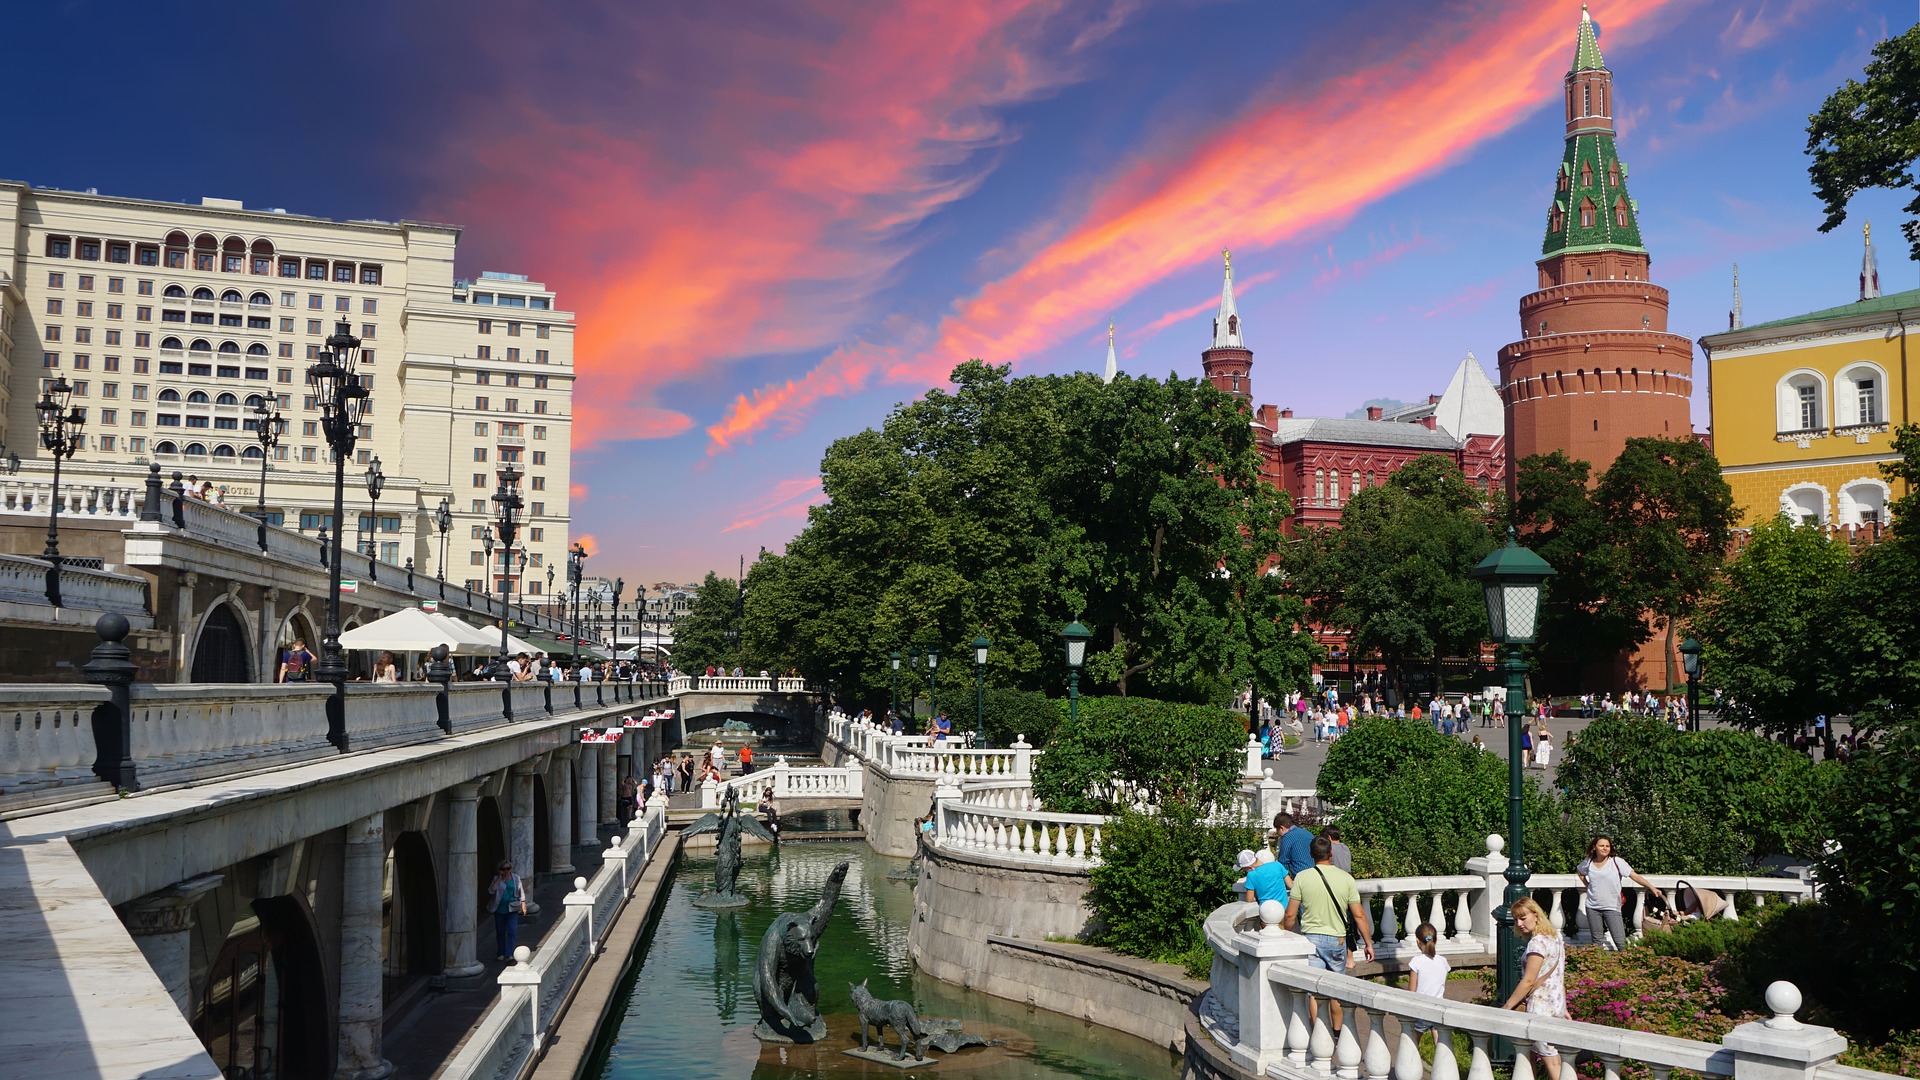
column 485, row 352
column 512, row 405
column 1861, row 502
column 508, row 455
column 540, row 330
column 177, row 295
column 233, row 256
column 1857, row 398
column 1557, row 217
column 512, row 378
column 484, row 480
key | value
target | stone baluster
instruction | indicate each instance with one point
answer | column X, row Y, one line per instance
column 1376, row 1063
column 1346, row 1049
column 362, row 1002
column 1299, row 1033
column 560, row 813
column 1406, row 1056
column 1557, row 915
column 1610, row 1067
column 1580, row 917
column 1523, row 1067
column 1389, row 929
column 1320, row 1047
column 1445, row 1065
column 1479, row 1065
column 162, row 928
column 461, row 967
column 1462, row 915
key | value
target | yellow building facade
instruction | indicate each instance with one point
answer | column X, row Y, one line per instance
column 1804, row 410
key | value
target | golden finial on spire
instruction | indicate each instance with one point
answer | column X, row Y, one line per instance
column 1866, row 230
column 1109, row 331
column 1227, row 256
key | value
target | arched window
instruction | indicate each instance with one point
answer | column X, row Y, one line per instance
column 229, row 347
column 166, row 446
column 1613, row 174
column 226, row 398
column 1806, row 504
column 261, row 299
column 170, row 343
column 256, row 349
column 252, row 453
column 203, row 293
column 1356, row 484
column 1620, row 212
column 1864, row 502
column 1801, row 402
column 1319, row 485
column 198, row 397
column 262, row 257
column 1586, row 91
column 169, row 395
column 1860, row 396
column 1586, row 174
column 200, row 345
column 254, row 401
column 231, row 296
column 224, row 451
column 174, row 292
column 195, row 449
column 1586, row 213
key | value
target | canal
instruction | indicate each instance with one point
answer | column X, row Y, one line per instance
column 686, row 1011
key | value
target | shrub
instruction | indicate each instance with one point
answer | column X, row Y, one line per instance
column 1647, row 991
column 1168, row 751
column 1159, row 875
column 1012, row 713
column 1871, row 880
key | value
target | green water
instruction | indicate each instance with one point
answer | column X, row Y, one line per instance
column 688, row 1012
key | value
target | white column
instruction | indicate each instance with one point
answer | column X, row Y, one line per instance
column 267, row 654
column 520, row 820
column 609, row 785
column 162, row 927
column 586, row 797
column 362, row 1003
column 560, row 810
column 183, row 625
column 463, row 871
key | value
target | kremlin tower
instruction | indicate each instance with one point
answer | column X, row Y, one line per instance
column 1228, row 365
column 1595, row 365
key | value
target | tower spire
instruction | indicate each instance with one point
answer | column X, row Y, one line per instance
column 1226, row 325
column 1869, row 267
column 1113, row 361
column 1734, row 320
column 1586, row 54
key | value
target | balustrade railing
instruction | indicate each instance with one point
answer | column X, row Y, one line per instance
column 1035, row 838
column 190, row 731
column 47, row 749
column 23, row 580
column 787, row 782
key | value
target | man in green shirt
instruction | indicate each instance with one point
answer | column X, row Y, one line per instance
column 1324, row 899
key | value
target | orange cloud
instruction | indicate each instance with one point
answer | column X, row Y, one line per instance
column 587, row 540
column 1273, row 174
column 788, row 499
column 726, row 185
column 1193, row 311
column 576, row 492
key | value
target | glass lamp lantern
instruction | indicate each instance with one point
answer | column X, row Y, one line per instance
column 980, row 647
column 1690, row 657
column 1512, row 578
column 1076, row 637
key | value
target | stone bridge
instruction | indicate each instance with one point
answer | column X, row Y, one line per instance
column 706, row 702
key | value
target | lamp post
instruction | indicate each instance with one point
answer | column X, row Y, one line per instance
column 913, row 696
column 619, row 587
column 61, row 422
column 933, row 683
column 342, row 400
column 1690, row 663
column 1511, row 578
column 1076, row 637
column 443, row 517
column 576, row 565
column 376, row 483
column 486, row 560
column 980, row 647
column 267, row 428
column 506, row 502
column 893, row 704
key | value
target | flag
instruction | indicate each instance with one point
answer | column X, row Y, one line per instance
column 593, row 736
column 347, row 586
column 429, row 605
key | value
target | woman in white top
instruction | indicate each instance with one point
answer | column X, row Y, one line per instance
column 1429, row 969
column 1543, row 750
column 1605, row 875
column 384, row 670
column 1543, row 985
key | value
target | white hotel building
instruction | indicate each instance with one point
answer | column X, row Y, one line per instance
column 171, row 321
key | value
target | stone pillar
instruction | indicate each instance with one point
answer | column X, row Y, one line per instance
column 183, row 624
column 560, row 810
column 586, row 796
column 1492, row 869
column 1782, row 1048
column 269, row 665
column 609, row 786
column 362, row 1003
column 162, row 926
column 520, row 823
column 463, row 871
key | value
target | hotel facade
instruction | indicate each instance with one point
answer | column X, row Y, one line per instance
column 173, row 322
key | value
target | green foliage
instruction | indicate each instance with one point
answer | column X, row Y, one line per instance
column 1164, row 751
column 1012, row 713
column 1867, row 135
column 1013, row 505
column 1414, row 801
column 1554, row 507
column 1871, row 879
column 1159, row 876
column 1764, row 631
column 1699, row 802
column 1648, row 991
column 701, row 638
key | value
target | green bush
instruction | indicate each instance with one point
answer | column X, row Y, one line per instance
column 1648, row 991
column 1871, row 879
column 1169, row 751
column 1012, row 713
column 1159, row 875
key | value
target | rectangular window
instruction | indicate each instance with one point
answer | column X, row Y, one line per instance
column 314, row 519
column 80, row 388
column 172, row 367
column 142, row 340
column 86, row 282
column 137, row 444
column 83, row 335
column 146, row 288
column 513, row 328
column 540, row 356
column 367, row 356
column 109, row 416
column 479, row 479
column 59, row 247
column 82, row 361
column 306, row 453
column 110, row 363
column 111, row 389
column 310, row 428
column 539, row 483
column 486, row 325
column 539, row 457
column 140, row 418
column 313, row 326
column 263, row 266
column 343, row 272
column 541, row 331
column 539, row 509
column 116, row 285
column 285, row 352
column 286, row 325
column 203, row 260
column 480, row 428
column 83, row 309
column 539, row 431
column 513, row 355
column 289, row 268
column 480, row 404
column 116, row 311
column 229, row 371
column 55, row 305
column 540, row 406
column 369, row 306
column 258, row 374
column 342, row 304
column 139, row 365
column 537, row 534
column 1809, row 408
column 176, row 259
column 203, row 370
column 51, row 333
column 316, row 302
column 119, row 252
column 316, row 271
column 197, row 421
column 368, row 330
column 483, row 352
column 513, row 377
column 482, row 378
column 513, row 404
column 369, row 275
column 106, row 442
column 143, row 314
column 147, row 255
column 479, row 453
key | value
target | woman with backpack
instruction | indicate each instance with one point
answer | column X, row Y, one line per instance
column 1605, row 875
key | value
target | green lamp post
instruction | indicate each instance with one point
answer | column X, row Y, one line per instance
column 933, row 683
column 1690, row 663
column 980, row 647
column 913, row 695
column 1512, row 578
column 893, row 706
column 1076, row 637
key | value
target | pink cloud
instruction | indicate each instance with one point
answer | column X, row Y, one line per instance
column 789, row 498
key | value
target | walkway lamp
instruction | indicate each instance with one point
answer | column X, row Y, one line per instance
column 980, row 647
column 576, row 567
column 933, row 682
column 1512, row 578
column 893, row 704
column 1076, row 637
column 1690, row 663
column 61, row 422
column 342, row 399
column 506, row 504
column 443, row 518
column 376, row 483
column 267, row 427
column 913, row 696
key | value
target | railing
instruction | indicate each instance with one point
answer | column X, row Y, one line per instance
column 1038, row 839
column 787, row 782
column 513, row 1031
column 1000, row 794
column 1257, row 1009
column 23, row 580
column 679, row 684
column 47, row 749
column 387, row 714
column 78, row 500
column 939, row 760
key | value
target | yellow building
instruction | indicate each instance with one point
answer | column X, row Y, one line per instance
column 1803, row 408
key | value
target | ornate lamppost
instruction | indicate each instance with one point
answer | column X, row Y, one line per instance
column 342, row 400
column 486, row 560
column 376, row 483
column 61, row 424
column 1690, row 663
column 443, row 519
column 576, row 566
column 619, row 586
column 980, row 647
column 1076, row 637
column 506, row 504
column 1512, row 578
column 913, row 696
column 268, row 427
column 933, row 683
column 893, row 703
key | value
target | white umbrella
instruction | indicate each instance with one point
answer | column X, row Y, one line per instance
column 477, row 641
column 408, row 630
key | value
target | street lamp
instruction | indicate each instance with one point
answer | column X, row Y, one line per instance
column 506, row 501
column 342, row 400
column 980, row 647
column 619, row 586
column 913, row 696
column 933, row 683
column 893, row 704
column 443, row 517
column 267, row 428
column 1076, row 637
column 576, row 565
column 1512, row 578
column 61, row 422
column 376, row 483
column 1690, row 663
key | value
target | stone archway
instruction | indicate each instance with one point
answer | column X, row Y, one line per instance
column 222, row 652
column 410, row 916
column 266, row 1010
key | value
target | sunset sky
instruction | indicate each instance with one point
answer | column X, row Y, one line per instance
column 776, row 220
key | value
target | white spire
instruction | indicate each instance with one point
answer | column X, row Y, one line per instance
column 1734, row 319
column 1226, row 325
column 1869, row 268
column 1113, row 361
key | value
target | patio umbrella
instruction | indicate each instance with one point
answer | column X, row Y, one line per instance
column 408, row 630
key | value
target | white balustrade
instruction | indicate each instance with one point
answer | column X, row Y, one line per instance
column 948, row 760
column 1059, row 841
column 679, row 684
column 187, row 731
column 46, row 743
column 23, row 580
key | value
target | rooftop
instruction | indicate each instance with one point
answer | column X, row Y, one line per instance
column 1878, row 305
column 1361, row 433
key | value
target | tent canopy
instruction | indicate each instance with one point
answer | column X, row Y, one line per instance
column 411, row 630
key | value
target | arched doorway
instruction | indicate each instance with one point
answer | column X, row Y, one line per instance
column 265, row 1012
column 221, row 655
column 410, row 916
column 491, row 851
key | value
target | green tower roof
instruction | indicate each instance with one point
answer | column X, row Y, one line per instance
column 1591, row 207
column 1586, row 56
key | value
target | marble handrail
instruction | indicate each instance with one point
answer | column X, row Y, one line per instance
column 1058, row 841
column 47, row 750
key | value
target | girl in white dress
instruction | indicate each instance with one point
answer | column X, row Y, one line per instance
column 1543, row 985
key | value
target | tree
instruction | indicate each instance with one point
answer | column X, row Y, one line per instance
column 1867, row 135
column 1555, row 512
column 1671, row 515
column 701, row 638
column 1394, row 574
column 1764, row 630
column 1160, row 875
column 1872, row 619
column 1157, row 751
column 1871, row 876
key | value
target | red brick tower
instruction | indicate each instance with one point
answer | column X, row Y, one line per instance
column 1595, row 365
column 1228, row 365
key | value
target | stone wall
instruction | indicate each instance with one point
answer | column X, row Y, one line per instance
column 1205, row 1060
column 888, row 805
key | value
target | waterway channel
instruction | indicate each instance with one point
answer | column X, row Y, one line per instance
column 687, row 1011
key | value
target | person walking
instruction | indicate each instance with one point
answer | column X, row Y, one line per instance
column 718, row 758
column 1542, row 987
column 1526, row 745
column 1605, row 875
column 507, row 897
column 746, row 759
column 1342, row 854
column 1429, row 969
column 1293, row 844
column 1326, row 907
column 296, row 663
column 1543, row 750
column 1266, row 879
